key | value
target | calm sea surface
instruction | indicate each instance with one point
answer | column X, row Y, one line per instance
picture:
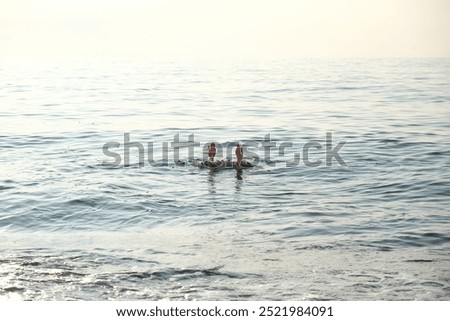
column 74, row 227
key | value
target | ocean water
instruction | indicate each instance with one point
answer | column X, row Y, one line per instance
column 376, row 226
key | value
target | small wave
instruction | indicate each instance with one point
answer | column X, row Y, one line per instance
column 439, row 153
column 82, row 202
column 419, row 261
column 314, row 247
column 415, row 240
column 13, row 289
column 181, row 274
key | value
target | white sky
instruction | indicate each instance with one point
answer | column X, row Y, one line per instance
column 224, row 29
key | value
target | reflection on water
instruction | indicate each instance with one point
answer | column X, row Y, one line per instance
column 212, row 181
column 239, row 174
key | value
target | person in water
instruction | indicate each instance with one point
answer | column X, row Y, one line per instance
column 239, row 154
column 212, row 152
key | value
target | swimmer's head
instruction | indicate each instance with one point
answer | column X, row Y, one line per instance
column 213, row 145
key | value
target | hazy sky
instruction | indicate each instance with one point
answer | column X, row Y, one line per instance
column 224, row 29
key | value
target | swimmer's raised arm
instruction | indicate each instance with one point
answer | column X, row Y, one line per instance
column 212, row 152
column 239, row 154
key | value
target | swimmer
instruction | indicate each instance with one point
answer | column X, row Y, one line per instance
column 239, row 154
column 212, row 152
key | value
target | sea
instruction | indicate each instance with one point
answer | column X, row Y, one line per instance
column 102, row 196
